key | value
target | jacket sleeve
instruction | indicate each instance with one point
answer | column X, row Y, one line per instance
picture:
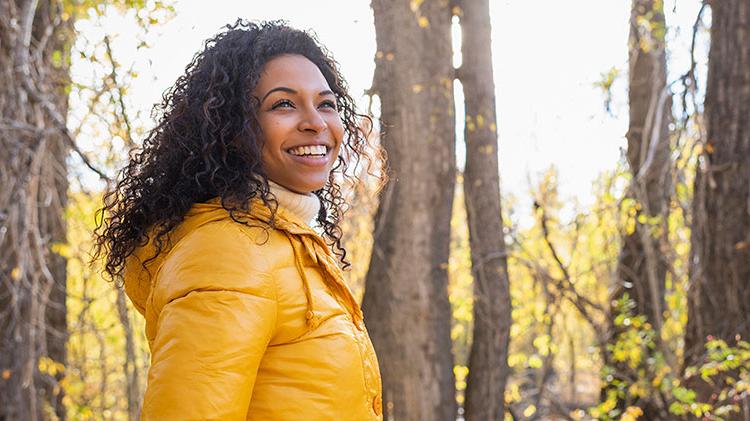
column 217, row 315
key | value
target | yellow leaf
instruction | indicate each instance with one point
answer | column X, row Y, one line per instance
column 512, row 393
column 610, row 403
column 487, row 149
column 6, row 374
column 423, row 22
column 529, row 411
column 461, row 372
column 630, row 226
column 535, row 361
column 63, row 249
column 631, row 414
column 636, row 390
column 516, row 359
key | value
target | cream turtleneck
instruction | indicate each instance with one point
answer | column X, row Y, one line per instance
column 303, row 206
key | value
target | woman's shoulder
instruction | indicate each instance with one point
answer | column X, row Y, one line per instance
column 223, row 255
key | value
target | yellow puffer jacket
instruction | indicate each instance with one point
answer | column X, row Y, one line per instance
column 251, row 323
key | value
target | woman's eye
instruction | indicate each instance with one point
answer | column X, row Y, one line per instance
column 330, row 104
column 282, row 104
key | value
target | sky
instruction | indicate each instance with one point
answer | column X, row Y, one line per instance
column 547, row 57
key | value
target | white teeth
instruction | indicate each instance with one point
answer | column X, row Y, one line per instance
column 318, row 150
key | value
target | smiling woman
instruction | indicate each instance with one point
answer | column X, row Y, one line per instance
column 211, row 227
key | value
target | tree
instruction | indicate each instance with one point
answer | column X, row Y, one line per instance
column 405, row 301
column 488, row 368
column 641, row 266
column 719, row 292
column 35, row 47
column 641, row 269
column 37, row 37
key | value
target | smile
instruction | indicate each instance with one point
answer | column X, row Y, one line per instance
column 310, row 150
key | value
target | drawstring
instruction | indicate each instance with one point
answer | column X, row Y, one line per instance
column 333, row 281
column 310, row 316
column 319, row 252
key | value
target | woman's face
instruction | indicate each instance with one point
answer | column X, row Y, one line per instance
column 302, row 130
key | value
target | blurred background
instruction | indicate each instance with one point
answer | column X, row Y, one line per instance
column 584, row 167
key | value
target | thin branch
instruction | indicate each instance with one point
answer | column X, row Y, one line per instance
column 59, row 123
column 123, row 115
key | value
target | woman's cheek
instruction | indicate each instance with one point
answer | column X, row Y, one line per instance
column 338, row 129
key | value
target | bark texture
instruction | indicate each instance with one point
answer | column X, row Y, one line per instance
column 488, row 368
column 406, row 301
column 719, row 294
column 34, row 52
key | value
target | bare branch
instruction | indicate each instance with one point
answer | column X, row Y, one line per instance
column 28, row 10
column 123, row 114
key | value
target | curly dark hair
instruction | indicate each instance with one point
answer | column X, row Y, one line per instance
column 207, row 144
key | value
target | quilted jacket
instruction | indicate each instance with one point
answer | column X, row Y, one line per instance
column 251, row 322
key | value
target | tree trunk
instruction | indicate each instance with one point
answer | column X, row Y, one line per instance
column 719, row 293
column 406, row 300
column 130, row 367
column 34, row 50
column 488, row 369
column 642, row 267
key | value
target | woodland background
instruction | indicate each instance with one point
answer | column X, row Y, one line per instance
column 636, row 307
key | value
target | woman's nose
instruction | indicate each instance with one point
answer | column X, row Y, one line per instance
column 312, row 121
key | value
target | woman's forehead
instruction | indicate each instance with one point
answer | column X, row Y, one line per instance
column 293, row 71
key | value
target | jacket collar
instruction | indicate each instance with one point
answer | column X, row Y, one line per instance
column 137, row 280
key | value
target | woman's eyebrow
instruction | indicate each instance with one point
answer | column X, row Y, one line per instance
column 280, row 88
column 292, row 91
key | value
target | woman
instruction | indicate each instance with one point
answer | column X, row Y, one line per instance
column 210, row 225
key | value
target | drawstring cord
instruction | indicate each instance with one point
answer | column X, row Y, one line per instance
column 321, row 254
column 310, row 316
column 330, row 278
column 334, row 279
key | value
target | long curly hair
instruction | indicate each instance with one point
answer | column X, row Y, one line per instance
column 208, row 142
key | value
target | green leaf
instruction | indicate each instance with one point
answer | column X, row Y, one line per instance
column 684, row 395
